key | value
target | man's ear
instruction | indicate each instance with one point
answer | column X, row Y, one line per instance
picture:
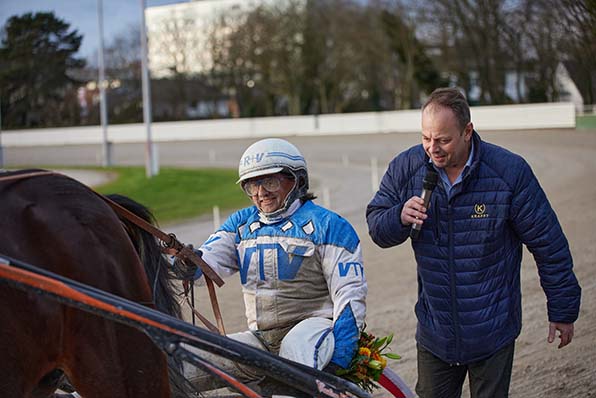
column 468, row 131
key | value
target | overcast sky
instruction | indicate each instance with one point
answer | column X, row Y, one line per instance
column 119, row 15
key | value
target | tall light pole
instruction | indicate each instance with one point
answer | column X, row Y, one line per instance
column 103, row 112
column 151, row 167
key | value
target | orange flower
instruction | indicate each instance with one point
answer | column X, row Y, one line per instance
column 364, row 351
column 366, row 367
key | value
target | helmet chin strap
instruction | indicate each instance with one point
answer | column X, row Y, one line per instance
column 278, row 214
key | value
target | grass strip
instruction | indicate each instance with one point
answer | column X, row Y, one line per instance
column 177, row 194
column 585, row 122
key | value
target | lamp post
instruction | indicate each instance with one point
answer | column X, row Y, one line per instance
column 103, row 113
column 151, row 167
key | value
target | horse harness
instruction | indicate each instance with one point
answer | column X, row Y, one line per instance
column 170, row 245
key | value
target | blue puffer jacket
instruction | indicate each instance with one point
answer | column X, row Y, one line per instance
column 470, row 249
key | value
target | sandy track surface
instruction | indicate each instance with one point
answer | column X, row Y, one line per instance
column 565, row 163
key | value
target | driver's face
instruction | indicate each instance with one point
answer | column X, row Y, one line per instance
column 269, row 192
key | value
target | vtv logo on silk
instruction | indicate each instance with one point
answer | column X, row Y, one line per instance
column 286, row 269
column 344, row 268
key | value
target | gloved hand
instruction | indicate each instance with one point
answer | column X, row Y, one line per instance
column 183, row 267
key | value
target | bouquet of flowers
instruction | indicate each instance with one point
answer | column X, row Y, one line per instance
column 367, row 365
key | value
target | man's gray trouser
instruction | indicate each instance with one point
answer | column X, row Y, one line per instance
column 488, row 378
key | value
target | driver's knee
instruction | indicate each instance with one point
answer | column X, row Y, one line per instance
column 205, row 381
column 310, row 342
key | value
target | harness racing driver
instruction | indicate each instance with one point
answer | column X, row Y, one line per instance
column 300, row 266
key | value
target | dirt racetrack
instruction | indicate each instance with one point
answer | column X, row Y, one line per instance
column 564, row 162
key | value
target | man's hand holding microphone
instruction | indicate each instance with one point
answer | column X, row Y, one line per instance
column 414, row 210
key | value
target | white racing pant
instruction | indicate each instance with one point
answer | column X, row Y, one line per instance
column 310, row 342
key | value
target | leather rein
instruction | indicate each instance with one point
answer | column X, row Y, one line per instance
column 170, row 245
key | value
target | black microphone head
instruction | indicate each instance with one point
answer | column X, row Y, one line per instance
column 430, row 179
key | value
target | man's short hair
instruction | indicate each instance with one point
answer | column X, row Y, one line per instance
column 452, row 98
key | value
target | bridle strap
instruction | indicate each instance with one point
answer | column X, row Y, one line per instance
column 169, row 240
column 171, row 245
column 182, row 251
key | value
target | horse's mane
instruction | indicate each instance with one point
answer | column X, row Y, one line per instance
column 160, row 276
column 157, row 268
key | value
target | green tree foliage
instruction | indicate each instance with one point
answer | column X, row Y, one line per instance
column 36, row 53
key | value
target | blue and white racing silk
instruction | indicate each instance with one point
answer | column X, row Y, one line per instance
column 308, row 264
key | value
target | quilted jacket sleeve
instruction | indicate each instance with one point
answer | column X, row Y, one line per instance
column 383, row 213
column 537, row 225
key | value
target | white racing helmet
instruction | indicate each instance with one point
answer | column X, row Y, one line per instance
column 274, row 155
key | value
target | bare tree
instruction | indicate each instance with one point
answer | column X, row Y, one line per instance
column 175, row 43
column 243, row 59
column 416, row 67
column 123, row 54
column 578, row 44
column 543, row 32
column 473, row 33
column 320, row 56
column 300, row 57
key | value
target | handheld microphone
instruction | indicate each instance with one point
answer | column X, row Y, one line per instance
column 428, row 184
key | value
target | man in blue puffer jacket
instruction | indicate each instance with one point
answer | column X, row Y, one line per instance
column 486, row 204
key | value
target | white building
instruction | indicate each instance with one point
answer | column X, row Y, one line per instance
column 178, row 33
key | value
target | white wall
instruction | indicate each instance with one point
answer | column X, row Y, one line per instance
column 505, row 117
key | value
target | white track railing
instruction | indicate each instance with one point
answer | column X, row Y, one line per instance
column 485, row 118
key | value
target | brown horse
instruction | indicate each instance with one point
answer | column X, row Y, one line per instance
column 57, row 223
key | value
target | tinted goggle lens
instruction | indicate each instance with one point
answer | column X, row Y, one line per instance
column 271, row 184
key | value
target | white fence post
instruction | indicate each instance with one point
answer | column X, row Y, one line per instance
column 154, row 159
column 345, row 160
column 374, row 173
column 216, row 218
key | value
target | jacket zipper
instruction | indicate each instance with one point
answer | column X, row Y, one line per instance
column 452, row 280
column 437, row 219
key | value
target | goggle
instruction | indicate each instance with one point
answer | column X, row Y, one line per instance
column 271, row 184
